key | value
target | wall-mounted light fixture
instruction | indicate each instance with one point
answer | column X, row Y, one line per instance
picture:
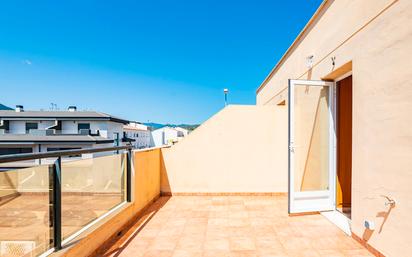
column 309, row 61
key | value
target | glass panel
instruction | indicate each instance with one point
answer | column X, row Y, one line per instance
column 90, row 188
column 311, row 138
column 25, row 210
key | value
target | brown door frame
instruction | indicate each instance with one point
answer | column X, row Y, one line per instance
column 342, row 197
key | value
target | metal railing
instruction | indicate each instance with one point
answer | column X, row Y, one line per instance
column 53, row 132
column 56, row 180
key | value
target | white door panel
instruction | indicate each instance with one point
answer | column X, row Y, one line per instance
column 311, row 146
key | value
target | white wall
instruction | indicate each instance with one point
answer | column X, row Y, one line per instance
column 69, row 127
column 143, row 138
column 164, row 136
column 106, row 128
column 17, row 127
column 45, row 124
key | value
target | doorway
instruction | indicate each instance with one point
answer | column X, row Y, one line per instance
column 344, row 146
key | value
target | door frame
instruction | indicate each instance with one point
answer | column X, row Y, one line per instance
column 335, row 216
column 330, row 194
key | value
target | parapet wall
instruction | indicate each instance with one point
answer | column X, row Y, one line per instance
column 241, row 149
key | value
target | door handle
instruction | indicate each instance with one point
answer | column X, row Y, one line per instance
column 292, row 147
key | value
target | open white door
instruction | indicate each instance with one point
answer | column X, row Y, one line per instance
column 312, row 139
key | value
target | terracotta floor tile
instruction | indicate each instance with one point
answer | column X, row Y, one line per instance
column 219, row 221
column 303, row 253
column 216, row 253
column 268, row 242
column 237, row 226
column 272, row 253
column 286, row 231
column 239, row 222
column 263, row 231
column 244, row 253
column 190, row 243
column 221, row 244
column 187, row 253
column 331, row 253
column 158, row 253
column 242, row 243
column 239, row 231
column 171, row 231
column 164, row 243
column 295, row 243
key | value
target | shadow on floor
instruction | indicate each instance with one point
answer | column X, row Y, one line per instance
column 126, row 236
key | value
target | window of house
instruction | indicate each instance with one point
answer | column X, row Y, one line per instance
column 31, row 125
column 83, row 126
column 7, row 151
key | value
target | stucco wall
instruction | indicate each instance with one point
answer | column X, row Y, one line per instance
column 240, row 149
column 376, row 36
column 147, row 167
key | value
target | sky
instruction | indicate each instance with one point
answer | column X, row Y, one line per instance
column 150, row 61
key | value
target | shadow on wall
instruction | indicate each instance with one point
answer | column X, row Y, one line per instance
column 165, row 188
column 367, row 233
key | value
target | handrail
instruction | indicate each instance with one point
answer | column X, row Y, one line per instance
column 32, row 156
column 56, row 183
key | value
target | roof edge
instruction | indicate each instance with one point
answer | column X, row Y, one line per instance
column 291, row 48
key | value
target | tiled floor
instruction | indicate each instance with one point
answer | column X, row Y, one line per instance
column 231, row 226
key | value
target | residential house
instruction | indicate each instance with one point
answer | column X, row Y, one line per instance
column 184, row 131
column 24, row 131
column 140, row 133
column 167, row 135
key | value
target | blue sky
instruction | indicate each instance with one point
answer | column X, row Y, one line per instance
column 158, row 61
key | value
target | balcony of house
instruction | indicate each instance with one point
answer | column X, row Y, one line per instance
column 205, row 196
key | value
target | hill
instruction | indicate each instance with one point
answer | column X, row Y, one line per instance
column 189, row 127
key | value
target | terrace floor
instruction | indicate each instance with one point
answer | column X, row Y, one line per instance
column 231, row 226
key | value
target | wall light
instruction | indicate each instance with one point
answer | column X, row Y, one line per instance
column 309, row 61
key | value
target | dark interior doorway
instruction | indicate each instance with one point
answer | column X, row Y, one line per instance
column 344, row 146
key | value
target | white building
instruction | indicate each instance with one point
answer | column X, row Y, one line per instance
column 183, row 130
column 41, row 131
column 140, row 133
column 166, row 136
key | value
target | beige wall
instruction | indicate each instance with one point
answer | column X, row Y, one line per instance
column 147, row 169
column 376, row 36
column 240, row 149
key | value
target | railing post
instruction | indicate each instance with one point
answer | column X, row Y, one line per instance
column 129, row 175
column 57, row 204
